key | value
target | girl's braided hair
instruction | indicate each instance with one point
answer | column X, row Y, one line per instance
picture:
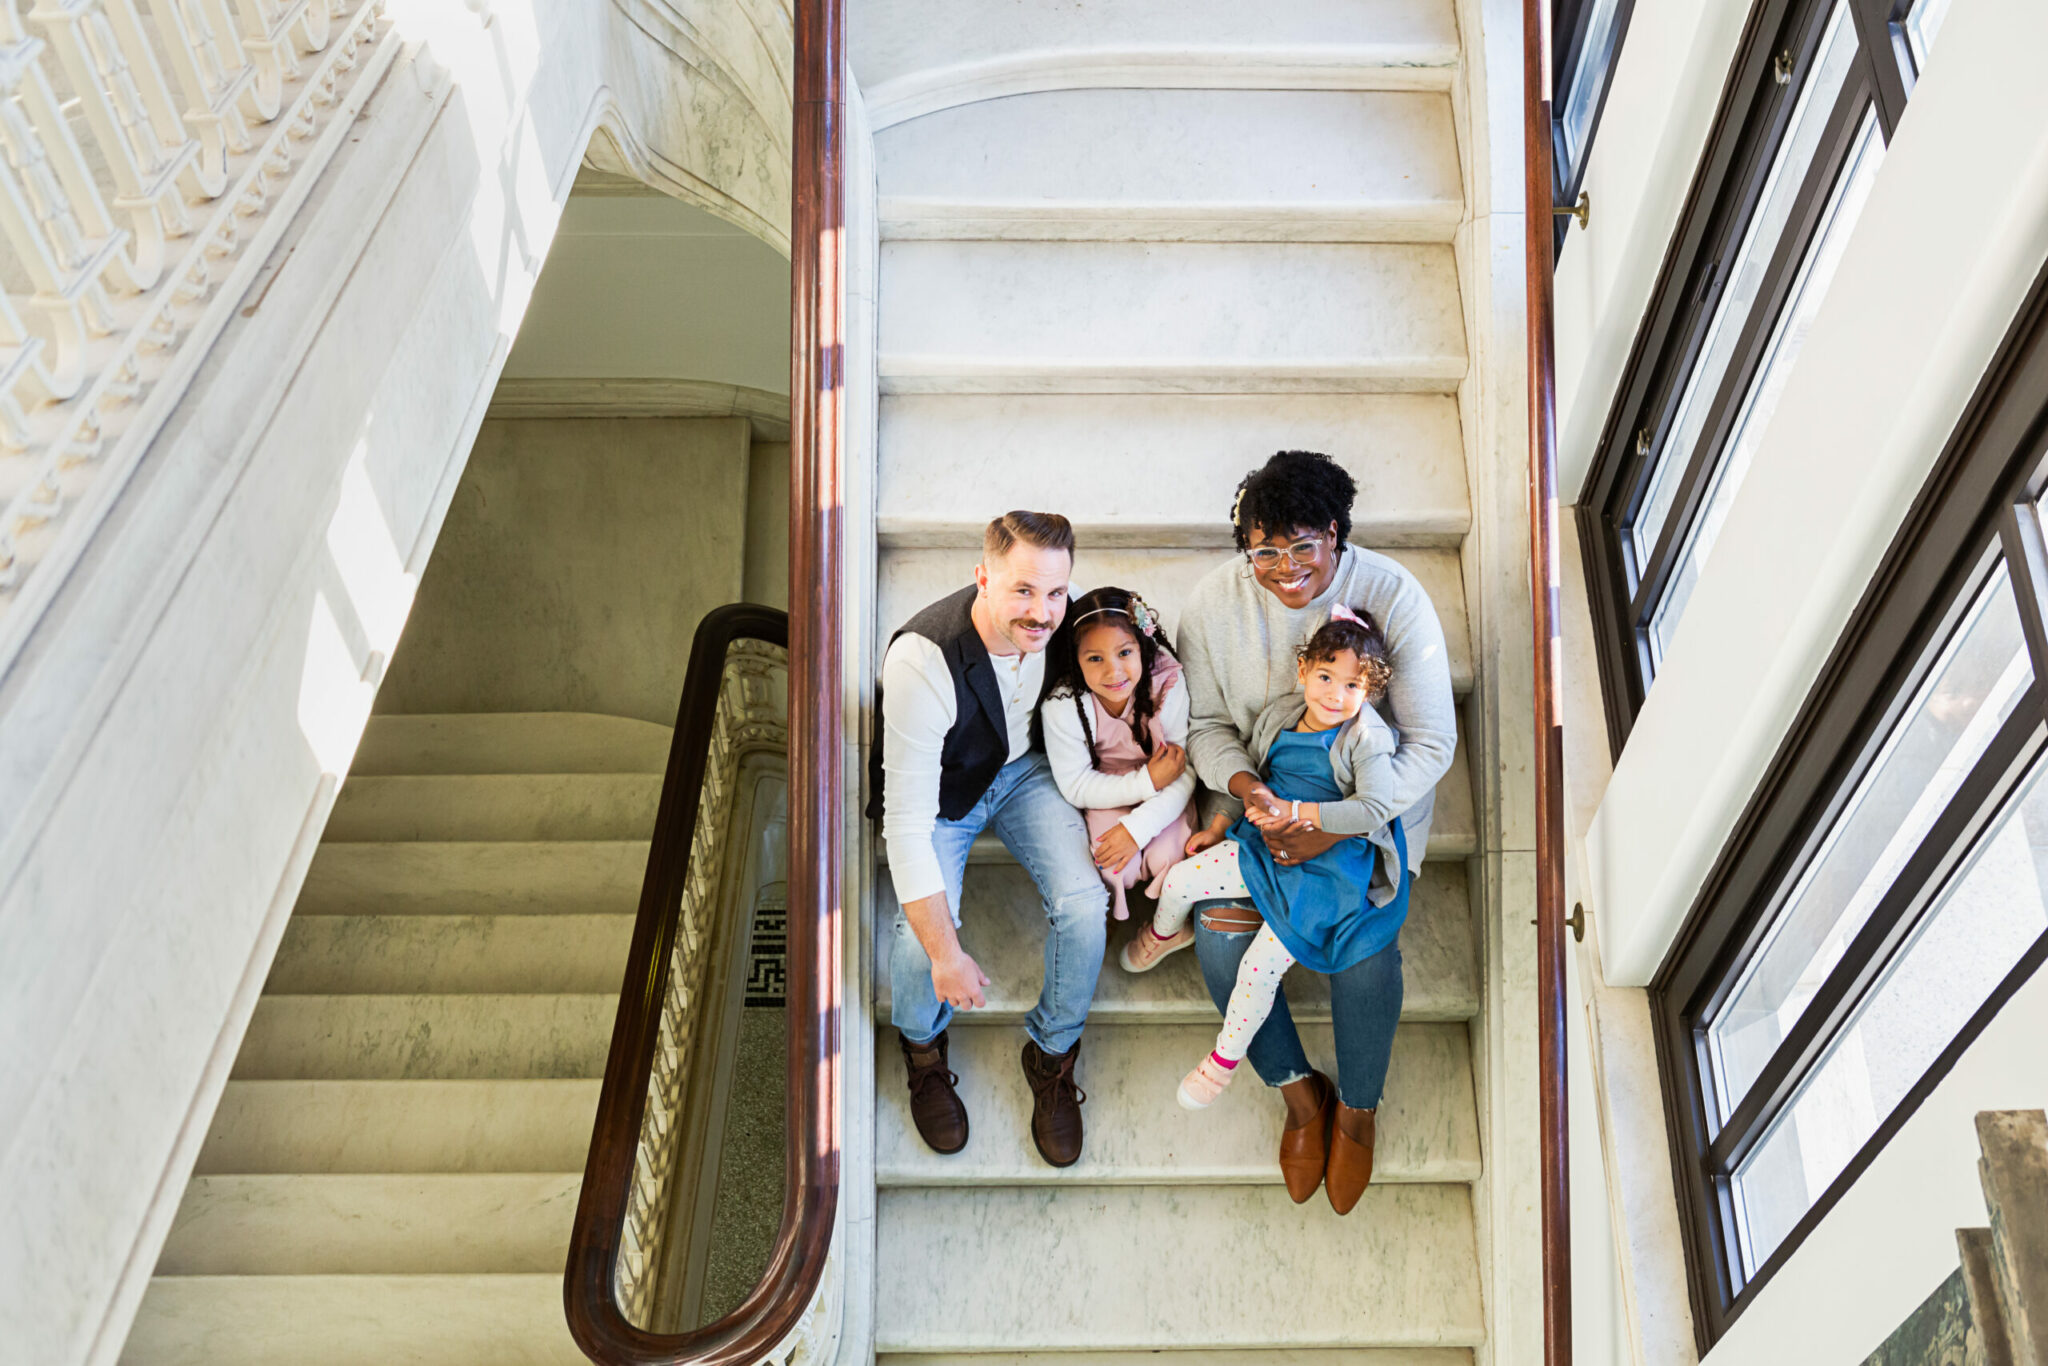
column 1119, row 607
column 1360, row 635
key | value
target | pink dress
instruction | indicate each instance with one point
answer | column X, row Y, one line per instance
column 1117, row 752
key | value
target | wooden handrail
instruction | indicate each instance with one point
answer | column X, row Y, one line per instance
column 1539, row 250
column 772, row 1311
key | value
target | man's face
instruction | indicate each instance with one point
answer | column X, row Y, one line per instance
column 1026, row 592
column 1294, row 564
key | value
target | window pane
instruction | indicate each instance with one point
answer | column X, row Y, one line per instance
column 1982, row 675
column 1744, row 275
column 1788, row 338
column 1923, row 26
column 1588, row 76
column 1988, row 918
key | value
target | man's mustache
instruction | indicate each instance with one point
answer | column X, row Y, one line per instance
column 1028, row 624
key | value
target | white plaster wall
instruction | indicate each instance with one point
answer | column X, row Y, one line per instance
column 171, row 735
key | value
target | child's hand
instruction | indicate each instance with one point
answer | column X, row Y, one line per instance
column 1209, row 836
column 1115, row 849
column 1166, row 765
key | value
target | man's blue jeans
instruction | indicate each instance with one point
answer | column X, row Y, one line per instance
column 1025, row 809
column 1365, row 1005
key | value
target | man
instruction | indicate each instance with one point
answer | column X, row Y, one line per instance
column 954, row 755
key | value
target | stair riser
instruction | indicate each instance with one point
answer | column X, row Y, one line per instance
column 510, row 742
column 577, row 806
column 435, row 1038
column 480, row 878
column 409, row 955
column 275, row 1127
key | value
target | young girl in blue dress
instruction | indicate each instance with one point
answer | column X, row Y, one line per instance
column 1316, row 748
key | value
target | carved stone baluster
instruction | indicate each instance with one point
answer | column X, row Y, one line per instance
column 274, row 34
column 214, row 74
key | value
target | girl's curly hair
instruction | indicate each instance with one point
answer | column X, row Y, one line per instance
column 1294, row 490
column 1119, row 607
column 1362, row 638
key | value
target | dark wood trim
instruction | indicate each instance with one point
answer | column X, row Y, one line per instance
column 775, row 1307
column 1546, row 646
column 1946, row 547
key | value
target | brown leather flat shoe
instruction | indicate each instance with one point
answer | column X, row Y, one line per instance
column 1055, row 1103
column 1350, row 1161
column 935, row 1107
column 1304, row 1152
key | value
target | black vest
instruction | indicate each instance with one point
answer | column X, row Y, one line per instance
column 978, row 745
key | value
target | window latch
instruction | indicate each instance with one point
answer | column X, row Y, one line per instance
column 1582, row 210
column 1781, row 67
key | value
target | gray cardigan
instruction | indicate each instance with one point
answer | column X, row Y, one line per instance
column 1237, row 647
column 1362, row 757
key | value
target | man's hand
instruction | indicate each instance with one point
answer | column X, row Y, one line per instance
column 1167, row 763
column 958, row 981
column 1296, row 842
column 1115, row 849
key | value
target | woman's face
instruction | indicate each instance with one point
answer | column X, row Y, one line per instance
column 1294, row 564
column 1110, row 662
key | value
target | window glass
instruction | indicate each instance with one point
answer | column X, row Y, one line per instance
column 1923, row 26
column 1788, row 338
column 1744, row 277
column 1588, row 77
column 1991, row 914
column 1983, row 674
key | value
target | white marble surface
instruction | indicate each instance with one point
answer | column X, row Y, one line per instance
column 1004, row 928
column 1097, row 1267
column 494, row 1035
column 1177, row 165
column 450, row 953
column 510, row 742
column 476, row 877
column 955, row 460
column 912, row 579
column 1193, row 317
column 411, row 1224
column 1137, row 1133
column 507, row 806
column 914, row 56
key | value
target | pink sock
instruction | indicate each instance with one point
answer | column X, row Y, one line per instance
column 1221, row 1061
column 1156, row 934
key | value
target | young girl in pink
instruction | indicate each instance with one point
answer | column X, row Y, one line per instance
column 1115, row 718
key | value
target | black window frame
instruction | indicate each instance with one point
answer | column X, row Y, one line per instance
column 1973, row 513
column 1726, row 192
column 1571, row 25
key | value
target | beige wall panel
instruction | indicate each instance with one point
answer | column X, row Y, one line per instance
column 768, row 525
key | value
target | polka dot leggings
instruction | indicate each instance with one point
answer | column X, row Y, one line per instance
column 1208, row 875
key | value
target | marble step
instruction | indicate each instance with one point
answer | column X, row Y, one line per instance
column 1102, row 1268
column 506, row 1320
column 951, row 460
column 909, row 580
column 1282, row 1356
column 477, row 877
column 495, row 806
column 309, row 1225
column 1186, row 317
column 1176, row 165
column 1137, row 1133
column 400, row 1126
column 511, row 742
column 914, row 56
column 441, row 1038
column 1003, row 926
column 404, row 954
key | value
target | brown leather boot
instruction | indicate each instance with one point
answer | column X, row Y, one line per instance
column 1055, row 1103
column 935, row 1107
column 1350, row 1160
column 1304, row 1152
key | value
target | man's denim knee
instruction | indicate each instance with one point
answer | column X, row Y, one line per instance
column 1078, row 905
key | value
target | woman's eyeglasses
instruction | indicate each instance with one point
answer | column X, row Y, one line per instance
column 1301, row 552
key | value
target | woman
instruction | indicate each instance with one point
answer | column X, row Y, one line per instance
column 1240, row 631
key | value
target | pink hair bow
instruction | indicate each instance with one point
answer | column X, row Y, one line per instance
column 1339, row 612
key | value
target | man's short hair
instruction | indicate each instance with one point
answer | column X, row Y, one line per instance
column 1045, row 530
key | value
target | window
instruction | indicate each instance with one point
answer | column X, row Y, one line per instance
column 1888, row 889
column 1817, row 89
column 1585, row 40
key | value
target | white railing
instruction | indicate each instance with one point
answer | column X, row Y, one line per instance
column 150, row 156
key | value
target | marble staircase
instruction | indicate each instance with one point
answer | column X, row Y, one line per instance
column 391, row 1173
column 1126, row 252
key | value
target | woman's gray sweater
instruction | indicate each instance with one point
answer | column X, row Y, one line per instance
column 1237, row 645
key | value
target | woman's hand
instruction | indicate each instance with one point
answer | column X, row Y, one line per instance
column 1166, row 765
column 1115, row 849
column 1255, row 795
column 1296, row 842
column 1209, row 836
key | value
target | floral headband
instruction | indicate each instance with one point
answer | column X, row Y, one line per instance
column 1140, row 612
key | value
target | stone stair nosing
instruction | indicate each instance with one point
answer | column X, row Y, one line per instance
column 1176, row 165
column 1406, row 452
column 495, row 806
column 912, row 57
column 499, row 1036
column 1003, row 926
column 1137, row 1133
column 448, row 954
column 1179, row 317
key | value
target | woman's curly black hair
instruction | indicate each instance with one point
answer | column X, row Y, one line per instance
column 1063, row 660
column 1362, row 638
column 1294, row 490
